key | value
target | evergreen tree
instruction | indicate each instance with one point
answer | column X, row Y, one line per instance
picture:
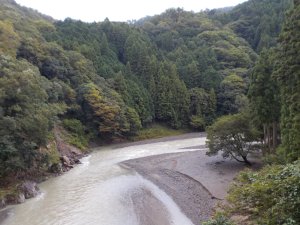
column 288, row 76
column 264, row 98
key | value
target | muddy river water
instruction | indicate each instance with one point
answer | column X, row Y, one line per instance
column 100, row 192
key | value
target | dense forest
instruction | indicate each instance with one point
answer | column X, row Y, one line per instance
column 109, row 80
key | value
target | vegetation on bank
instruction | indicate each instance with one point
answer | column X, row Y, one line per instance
column 234, row 71
column 235, row 136
column 271, row 195
column 77, row 134
column 156, row 131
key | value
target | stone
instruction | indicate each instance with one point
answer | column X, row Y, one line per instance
column 16, row 198
column 30, row 189
column 66, row 161
column 56, row 168
column 20, row 198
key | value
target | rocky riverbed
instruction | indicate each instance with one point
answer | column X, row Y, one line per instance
column 195, row 181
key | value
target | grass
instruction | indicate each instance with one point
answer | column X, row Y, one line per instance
column 157, row 131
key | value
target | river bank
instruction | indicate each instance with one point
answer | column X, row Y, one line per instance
column 195, row 181
column 175, row 168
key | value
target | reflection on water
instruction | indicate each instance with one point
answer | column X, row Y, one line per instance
column 96, row 192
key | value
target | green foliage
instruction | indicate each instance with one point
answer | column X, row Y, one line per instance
column 53, row 156
column 172, row 104
column 77, row 135
column 234, row 136
column 202, row 105
column 104, row 113
column 10, row 40
column 231, row 99
column 26, row 117
column 180, row 68
column 134, row 121
column 259, row 22
column 219, row 219
column 264, row 98
column 197, row 123
column 156, row 131
column 263, row 91
column 270, row 196
column 288, row 77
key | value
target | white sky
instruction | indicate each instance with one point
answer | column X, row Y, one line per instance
column 118, row 10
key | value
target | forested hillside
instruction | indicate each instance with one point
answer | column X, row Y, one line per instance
column 111, row 79
column 258, row 22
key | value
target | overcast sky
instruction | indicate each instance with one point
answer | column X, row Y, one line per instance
column 118, row 10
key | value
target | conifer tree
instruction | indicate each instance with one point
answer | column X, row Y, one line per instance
column 264, row 98
column 288, row 76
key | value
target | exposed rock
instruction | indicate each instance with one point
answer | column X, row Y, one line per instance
column 77, row 161
column 66, row 161
column 16, row 198
column 70, row 155
column 2, row 203
column 56, row 168
column 30, row 189
column 20, row 198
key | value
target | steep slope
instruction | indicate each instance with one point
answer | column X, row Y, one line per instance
column 257, row 21
column 109, row 80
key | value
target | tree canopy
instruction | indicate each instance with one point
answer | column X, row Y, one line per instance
column 180, row 68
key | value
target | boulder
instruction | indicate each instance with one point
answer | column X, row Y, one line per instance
column 30, row 189
column 56, row 168
column 20, row 198
column 66, row 161
column 77, row 161
column 16, row 198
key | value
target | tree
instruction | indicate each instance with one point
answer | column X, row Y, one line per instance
column 25, row 115
column 202, row 106
column 134, row 121
column 288, row 77
column 234, row 136
column 104, row 113
column 264, row 98
column 233, row 88
column 172, row 96
column 9, row 39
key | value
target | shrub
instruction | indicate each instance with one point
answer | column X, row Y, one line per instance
column 270, row 196
column 197, row 123
column 76, row 134
column 219, row 219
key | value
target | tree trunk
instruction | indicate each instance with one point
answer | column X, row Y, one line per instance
column 265, row 139
column 265, row 134
column 246, row 161
column 268, row 138
column 275, row 143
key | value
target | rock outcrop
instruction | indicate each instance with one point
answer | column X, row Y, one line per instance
column 29, row 189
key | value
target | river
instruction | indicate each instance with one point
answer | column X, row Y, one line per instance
column 100, row 192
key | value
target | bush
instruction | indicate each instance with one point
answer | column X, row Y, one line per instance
column 76, row 134
column 156, row 131
column 197, row 123
column 270, row 196
column 219, row 219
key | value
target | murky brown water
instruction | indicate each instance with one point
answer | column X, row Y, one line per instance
column 99, row 192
